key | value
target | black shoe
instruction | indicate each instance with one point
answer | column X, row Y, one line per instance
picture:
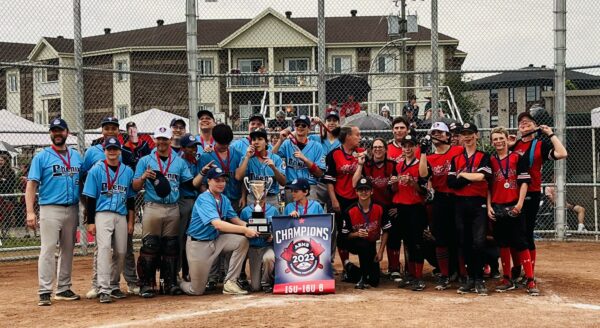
column 147, row 292
column 117, row 294
column 267, row 289
column 480, row 288
column 67, row 295
column 442, row 283
column 211, row 286
column 244, row 284
column 345, row 277
column 417, row 285
column 532, row 289
column 361, row 284
column 45, row 300
column 175, row 291
column 495, row 274
column 467, row 287
column 105, row 298
column 505, row 285
column 395, row 276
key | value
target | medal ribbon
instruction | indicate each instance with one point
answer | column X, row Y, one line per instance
column 212, row 141
column 109, row 183
column 469, row 165
column 67, row 162
column 406, row 167
column 160, row 167
column 224, row 165
column 365, row 215
column 305, row 207
column 219, row 208
column 504, row 173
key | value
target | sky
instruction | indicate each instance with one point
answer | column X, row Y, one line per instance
column 495, row 34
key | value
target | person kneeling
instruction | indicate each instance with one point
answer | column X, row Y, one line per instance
column 260, row 253
column 215, row 228
column 361, row 230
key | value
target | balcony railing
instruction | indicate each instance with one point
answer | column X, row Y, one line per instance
column 295, row 81
column 281, row 80
column 47, row 89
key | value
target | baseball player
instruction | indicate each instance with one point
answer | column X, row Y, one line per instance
column 110, row 209
column 379, row 170
column 260, row 253
column 400, row 128
column 189, row 148
column 255, row 121
column 177, row 130
column 261, row 164
column 304, row 158
column 455, row 139
column 468, row 177
column 328, row 138
column 215, row 229
column 538, row 152
column 93, row 155
column 408, row 199
column 55, row 170
column 206, row 123
column 508, row 188
column 435, row 167
column 301, row 205
column 160, row 174
column 342, row 162
column 139, row 145
column 362, row 229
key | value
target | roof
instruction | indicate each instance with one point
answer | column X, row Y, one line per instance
column 15, row 52
column 210, row 32
column 18, row 131
column 532, row 76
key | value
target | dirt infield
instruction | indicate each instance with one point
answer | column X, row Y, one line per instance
column 567, row 275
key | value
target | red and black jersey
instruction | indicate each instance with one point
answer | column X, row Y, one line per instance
column 508, row 174
column 394, row 152
column 438, row 166
column 479, row 162
column 340, row 169
column 541, row 153
column 408, row 194
column 380, row 174
column 373, row 221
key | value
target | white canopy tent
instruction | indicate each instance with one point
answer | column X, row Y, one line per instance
column 19, row 132
column 147, row 121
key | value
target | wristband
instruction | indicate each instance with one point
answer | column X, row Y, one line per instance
column 552, row 135
column 313, row 167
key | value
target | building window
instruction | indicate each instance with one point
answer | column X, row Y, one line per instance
column 512, row 121
column 426, row 79
column 122, row 66
column 40, row 75
column 209, row 107
column 41, row 117
column 13, row 86
column 533, row 94
column 122, row 112
column 511, row 95
column 250, row 65
column 296, row 64
column 341, row 64
column 205, row 67
column 493, row 121
column 385, row 64
column 494, row 94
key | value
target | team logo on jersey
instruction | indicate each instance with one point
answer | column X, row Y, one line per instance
column 303, row 257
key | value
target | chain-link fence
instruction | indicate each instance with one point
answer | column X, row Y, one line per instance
column 282, row 59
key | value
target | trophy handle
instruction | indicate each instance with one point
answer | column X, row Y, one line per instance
column 246, row 183
column 269, row 184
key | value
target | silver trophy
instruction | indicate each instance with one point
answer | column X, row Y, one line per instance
column 258, row 189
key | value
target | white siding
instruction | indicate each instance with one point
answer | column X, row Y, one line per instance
column 270, row 32
column 13, row 99
column 209, row 87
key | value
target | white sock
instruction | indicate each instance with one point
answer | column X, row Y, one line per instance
column 580, row 227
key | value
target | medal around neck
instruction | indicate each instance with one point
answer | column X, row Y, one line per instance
column 259, row 189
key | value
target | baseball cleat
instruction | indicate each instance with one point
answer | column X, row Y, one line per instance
column 505, row 285
column 67, row 295
column 395, row 275
column 133, row 289
column 417, row 285
column 44, row 300
column 232, row 288
column 361, row 284
column 147, row 292
column 117, row 294
column 532, row 289
column 442, row 283
column 93, row 293
column 481, row 289
column 105, row 298
column 467, row 287
column 210, row 286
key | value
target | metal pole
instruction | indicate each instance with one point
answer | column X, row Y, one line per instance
column 321, row 57
column 78, row 57
column 560, row 44
column 192, row 56
column 594, row 180
column 403, row 64
column 434, row 60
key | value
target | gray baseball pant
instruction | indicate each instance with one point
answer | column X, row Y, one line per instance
column 262, row 266
column 160, row 220
column 202, row 254
column 129, row 270
column 111, row 241
column 57, row 225
column 185, row 213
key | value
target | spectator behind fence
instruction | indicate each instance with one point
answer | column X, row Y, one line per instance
column 279, row 122
column 8, row 184
column 350, row 107
column 550, row 192
column 385, row 112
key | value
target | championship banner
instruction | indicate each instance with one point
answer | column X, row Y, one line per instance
column 303, row 254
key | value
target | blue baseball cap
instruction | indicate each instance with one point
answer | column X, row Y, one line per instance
column 111, row 142
column 215, row 172
column 188, row 140
column 59, row 123
column 299, row 184
column 302, row 119
column 110, row 120
column 332, row 113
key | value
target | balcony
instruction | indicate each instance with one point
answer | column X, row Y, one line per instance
column 48, row 89
column 295, row 81
column 260, row 82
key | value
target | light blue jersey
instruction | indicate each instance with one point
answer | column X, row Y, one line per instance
column 207, row 209
column 259, row 171
column 194, row 169
column 246, row 215
column 58, row 184
column 233, row 189
column 327, row 145
column 295, row 168
column 314, row 207
column 203, row 144
column 92, row 156
column 96, row 186
column 178, row 173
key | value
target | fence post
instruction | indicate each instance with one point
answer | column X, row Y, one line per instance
column 434, row 61
column 192, row 56
column 560, row 41
column 78, row 56
column 321, row 58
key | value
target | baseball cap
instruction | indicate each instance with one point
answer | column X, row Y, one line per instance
column 130, row 124
column 259, row 133
column 302, row 119
column 59, row 123
column 364, row 183
column 332, row 113
column 525, row 115
column 385, row 108
column 188, row 140
column 111, row 142
column 176, row 120
column 257, row 116
column 411, row 137
column 161, row 185
column 298, row 184
column 439, row 126
column 206, row 112
column 469, row 127
column 455, row 127
column 215, row 172
column 110, row 120
column 162, row 131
